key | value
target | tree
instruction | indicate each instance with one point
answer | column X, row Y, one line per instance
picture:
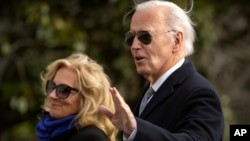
column 33, row 33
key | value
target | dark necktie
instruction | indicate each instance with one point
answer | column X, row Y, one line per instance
column 146, row 98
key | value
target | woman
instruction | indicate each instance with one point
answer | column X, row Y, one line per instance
column 75, row 87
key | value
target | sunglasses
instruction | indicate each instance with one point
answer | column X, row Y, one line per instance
column 62, row 90
column 143, row 36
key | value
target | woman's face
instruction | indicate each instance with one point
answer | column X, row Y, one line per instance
column 60, row 108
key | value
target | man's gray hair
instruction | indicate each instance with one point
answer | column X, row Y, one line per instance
column 177, row 19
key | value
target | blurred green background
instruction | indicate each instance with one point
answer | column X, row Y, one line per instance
column 35, row 32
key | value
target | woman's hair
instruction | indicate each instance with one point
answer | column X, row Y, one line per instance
column 93, row 85
column 177, row 19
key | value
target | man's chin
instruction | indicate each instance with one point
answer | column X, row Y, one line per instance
column 142, row 71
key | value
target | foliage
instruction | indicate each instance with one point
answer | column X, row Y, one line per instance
column 33, row 33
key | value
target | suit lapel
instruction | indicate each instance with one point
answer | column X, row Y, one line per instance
column 166, row 89
column 162, row 93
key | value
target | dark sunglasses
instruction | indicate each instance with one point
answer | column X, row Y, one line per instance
column 143, row 36
column 62, row 90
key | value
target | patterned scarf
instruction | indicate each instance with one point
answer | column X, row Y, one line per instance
column 49, row 127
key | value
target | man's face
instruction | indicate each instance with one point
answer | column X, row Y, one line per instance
column 152, row 59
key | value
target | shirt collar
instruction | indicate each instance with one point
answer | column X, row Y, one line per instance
column 163, row 77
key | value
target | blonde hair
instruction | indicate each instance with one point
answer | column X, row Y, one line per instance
column 93, row 85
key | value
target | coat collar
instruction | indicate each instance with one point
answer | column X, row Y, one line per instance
column 167, row 88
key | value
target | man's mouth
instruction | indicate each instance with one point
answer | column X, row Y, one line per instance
column 138, row 58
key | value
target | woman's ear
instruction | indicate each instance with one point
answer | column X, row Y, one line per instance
column 178, row 42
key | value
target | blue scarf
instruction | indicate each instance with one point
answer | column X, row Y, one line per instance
column 49, row 127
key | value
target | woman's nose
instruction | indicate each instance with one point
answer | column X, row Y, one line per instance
column 52, row 94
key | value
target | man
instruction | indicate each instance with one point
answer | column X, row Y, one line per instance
column 183, row 106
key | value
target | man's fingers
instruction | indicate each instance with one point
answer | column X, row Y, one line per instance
column 116, row 96
column 104, row 110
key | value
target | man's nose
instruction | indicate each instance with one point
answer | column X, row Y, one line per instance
column 136, row 43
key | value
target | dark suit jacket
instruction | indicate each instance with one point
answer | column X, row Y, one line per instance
column 186, row 107
column 89, row 133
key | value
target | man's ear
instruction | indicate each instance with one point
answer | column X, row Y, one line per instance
column 178, row 40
